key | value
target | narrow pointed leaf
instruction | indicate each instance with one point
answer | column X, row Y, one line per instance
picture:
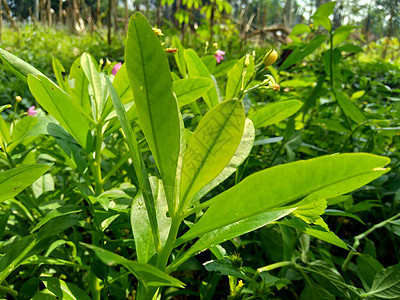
column 211, row 146
column 60, row 106
column 386, row 284
column 321, row 178
column 274, row 113
column 196, row 68
column 147, row 274
column 64, row 290
column 235, row 77
column 156, row 106
column 19, row 67
column 14, row 181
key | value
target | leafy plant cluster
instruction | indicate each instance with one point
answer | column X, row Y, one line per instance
column 131, row 185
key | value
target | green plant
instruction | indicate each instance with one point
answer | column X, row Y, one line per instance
column 173, row 211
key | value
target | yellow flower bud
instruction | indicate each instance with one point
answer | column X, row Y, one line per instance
column 18, row 98
column 157, row 31
column 270, row 57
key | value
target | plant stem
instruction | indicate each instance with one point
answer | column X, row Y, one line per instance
column 163, row 256
column 363, row 235
column 97, row 160
column 272, row 267
column 9, row 291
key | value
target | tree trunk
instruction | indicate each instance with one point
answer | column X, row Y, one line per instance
column 109, row 21
column 98, row 7
column 10, row 18
column 49, row 15
column 115, row 15
column 158, row 21
column 60, row 10
column 126, row 17
column 36, row 11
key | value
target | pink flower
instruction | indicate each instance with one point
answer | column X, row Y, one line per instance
column 219, row 55
column 116, row 68
column 32, row 111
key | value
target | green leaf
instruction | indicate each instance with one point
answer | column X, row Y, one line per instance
column 15, row 255
column 349, row 108
column 315, row 292
column 141, row 229
column 179, row 56
column 19, row 67
column 357, row 95
column 97, row 85
column 386, row 284
column 242, row 152
column 44, row 184
column 351, row 48
column 60, row 106
column 190, row 89
column 274, row 113
column 320, row 178
column 321, row 16
column 318, row 230
column 335, row 212
column 123, row 86
column 22, row 128
column 196, row 68
column 236, row 82
column 14, row 181
column 228, row 232
column 224, row 267
column 368, row 267
column 211, row 147
column 61, row 211
column 64, row 290
column 147, row 274
column 300, row 29
column 342, row 33
column 210, row 62
column 59, row 72
column 156, row 106
column 298, row 54
column 224, row 68
column 78, row 86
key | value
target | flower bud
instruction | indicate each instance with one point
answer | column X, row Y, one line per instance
column 171, row 50
column 157, row 31
column 247, row 60
column 270, row 57
column 18, row 98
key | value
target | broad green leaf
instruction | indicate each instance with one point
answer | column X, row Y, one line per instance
column 300, row 29
column 228, row 232
column 179, row 56
column 349, row 108
column 97, row 85
column 14, row 181
column 196, row 68
column 147, row 274
column 19, row 67
column 56, row 225
column 211, row 147
column 224, row 68
column 60, row 106
column 44, row 184
column 274, row 113
column 141, row 229
column 23, row 126
column 368, row 267
column 238, row 77
column 5, row 137
column 210, row 62
column 330, row 125
column 190, row 89
column 78, row 86
column 386, row 284
column 156, row 106
column 64, row 290
column 242, row 152
column 342, row 33
column 320, row 178
column 351, row 48
column 298, row 54
column 321, row 16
